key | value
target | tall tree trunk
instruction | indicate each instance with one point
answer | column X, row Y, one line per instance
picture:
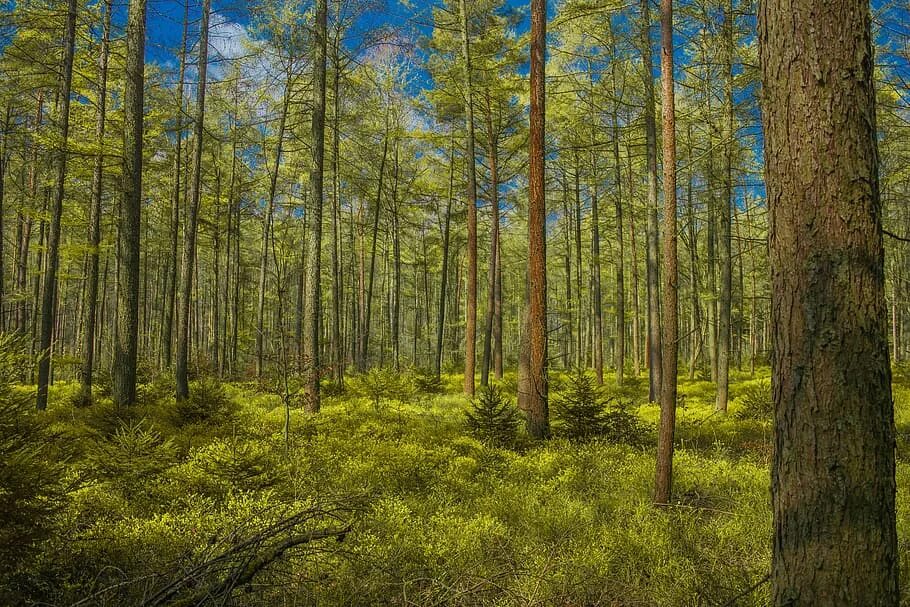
column 493, row 155
column 653, row 278
column 833, row 475
column 471, row 299
column 338, row 359
column 192, row 214
column 49, row 299
column 267, row 224
column 126, row 334
column 444, row 276
column 396, row 265
column 167, row 338
column 368, row 296
column 533, row 372
column 636, row 308
column 90, row 313
column 313, row 296
column 670, row 325
column 726, row 253
column 620, row 348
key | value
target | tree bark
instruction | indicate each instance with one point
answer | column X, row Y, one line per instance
column 49, row 299
column 471, row 297
column 94, row 237
column 833, row 474
column 313, row 296
column 192, row 214
column 670, row 324
column 726, row 253
column 533, row 372
column 444, row 276
column 653, row 277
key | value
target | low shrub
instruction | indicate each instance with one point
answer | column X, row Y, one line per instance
column 492, row 417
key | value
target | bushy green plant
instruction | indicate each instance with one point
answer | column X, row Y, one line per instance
column 31, row 486
column 208, row 403
column 580, row 408
column 427, row 382
column 493, row 418
column 757, row 402
column 381, row 384
column 131, row 456
column 583, row 412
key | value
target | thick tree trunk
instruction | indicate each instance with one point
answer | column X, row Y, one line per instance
column 670, row 316
column 533, row 372
column 49, row 299
column 471, row 299
column 833, row 475
column 192, row 214
column 90, row 312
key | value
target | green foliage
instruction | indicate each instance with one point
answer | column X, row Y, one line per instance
column 427, row 382
column 582, row 412
column 31, row 477
column 208, row 403
column 493, row 418
column 131, row 456
column 756, row 402
column 382, row 384
column 579, row 408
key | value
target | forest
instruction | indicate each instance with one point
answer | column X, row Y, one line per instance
column 454, row 302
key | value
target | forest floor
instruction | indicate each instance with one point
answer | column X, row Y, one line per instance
column 169, row 503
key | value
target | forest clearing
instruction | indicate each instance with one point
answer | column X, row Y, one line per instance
column 454, row 302
column 436, row 515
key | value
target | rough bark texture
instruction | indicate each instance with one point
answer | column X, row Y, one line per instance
column 670, row 309
column 533, row 384
column 94, row 235
column 471, row 302
column 833, row 484
column 654, row 341
column 49, row 299
column 725, row 303
column 313, row 295
column 167, row 328
column 192, row 214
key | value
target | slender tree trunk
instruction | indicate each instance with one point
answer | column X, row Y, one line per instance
column 654, row 337
column 620, row 347
column 337, row 361
column 670, row 325
column 444, row 276
column 726, row 253
column 312, row 326
column 493, row 154
column 49, row 300
column 471, row 300
column 396, row 265
column 192, row 215
column 695, row 330
column 833, row 475
column 365, row 336
column 636, row 308
column 267, row 224
column 90, row 301
column 167, row 338
column 533, row 372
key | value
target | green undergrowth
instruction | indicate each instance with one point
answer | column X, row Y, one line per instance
column 433, row 513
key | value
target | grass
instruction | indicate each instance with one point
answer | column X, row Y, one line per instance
column 437, row 517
